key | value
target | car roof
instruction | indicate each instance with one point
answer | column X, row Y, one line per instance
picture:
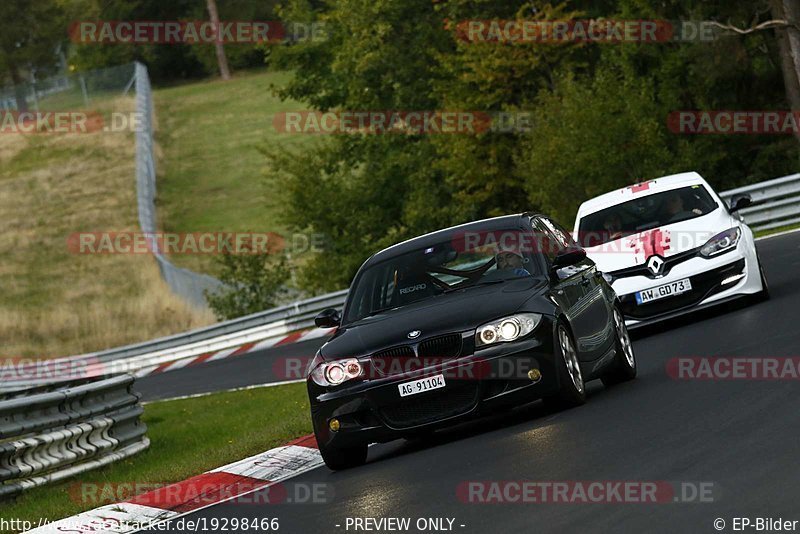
column 504, row 222
column 657, row 185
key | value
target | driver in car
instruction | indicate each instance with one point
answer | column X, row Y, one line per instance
column 675, row 208
column 510, row 260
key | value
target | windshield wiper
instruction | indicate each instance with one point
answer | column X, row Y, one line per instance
column 476, row 284
column 381, row 310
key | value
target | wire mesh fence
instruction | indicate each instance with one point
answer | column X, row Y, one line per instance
column 188, row 284
column 104, row 92
column 69, row 91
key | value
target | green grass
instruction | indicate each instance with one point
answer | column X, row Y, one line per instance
column 52, row 186
column 188, row 437
column 210, row 175
column 762, row 233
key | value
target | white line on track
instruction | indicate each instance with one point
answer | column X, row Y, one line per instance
column 243, row 388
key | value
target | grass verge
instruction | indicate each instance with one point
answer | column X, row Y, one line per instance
column 764, row 233
column 56, row 303
column 188, row 437
column 210, row 177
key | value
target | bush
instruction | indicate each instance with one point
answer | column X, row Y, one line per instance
column 252, row 283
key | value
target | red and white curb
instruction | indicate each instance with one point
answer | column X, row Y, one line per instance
column 156, row 362
column 294, row 337
column 211, row 488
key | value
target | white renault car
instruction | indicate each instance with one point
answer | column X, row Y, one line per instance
column 669, row 246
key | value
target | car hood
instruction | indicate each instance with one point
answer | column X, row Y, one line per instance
column 453, row 312
column 666, row 241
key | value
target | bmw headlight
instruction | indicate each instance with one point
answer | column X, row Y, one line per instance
column 721, row 242
column 336, row 372
column 506, row 329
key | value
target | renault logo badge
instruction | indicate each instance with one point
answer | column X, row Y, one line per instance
column 414, row 334
column 656, row 264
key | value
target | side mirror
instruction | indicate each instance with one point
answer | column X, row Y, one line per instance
column 569, row 256
column 329, row 318
column 740, row 201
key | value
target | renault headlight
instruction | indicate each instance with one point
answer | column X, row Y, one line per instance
column 721, row 242
column 506, row 329
column 336, row 372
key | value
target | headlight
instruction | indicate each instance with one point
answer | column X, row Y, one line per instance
column 336, row 372
column 506, row 329
column 721, row 242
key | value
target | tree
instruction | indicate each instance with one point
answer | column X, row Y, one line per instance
column 788, row 36
column 224, row 71
column 599, row 116
column 252, row 283
column 30, row 30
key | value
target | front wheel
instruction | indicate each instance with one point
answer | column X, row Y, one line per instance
column 572, row 389
column 624, row 366
column 762, row 295
column 338, row 458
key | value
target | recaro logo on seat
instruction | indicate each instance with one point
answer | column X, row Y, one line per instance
column 411, row 289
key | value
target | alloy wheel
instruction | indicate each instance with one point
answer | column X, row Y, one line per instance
column 624, row 338
column 571, row 359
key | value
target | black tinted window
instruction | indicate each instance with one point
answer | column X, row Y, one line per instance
column 644, row 213
column 462, row 261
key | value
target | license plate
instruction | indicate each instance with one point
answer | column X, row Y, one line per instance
column 420, row 386
column 666, row 290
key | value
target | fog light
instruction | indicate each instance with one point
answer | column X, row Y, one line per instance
column 334, row 425
column 535, row 375
column 731, row 279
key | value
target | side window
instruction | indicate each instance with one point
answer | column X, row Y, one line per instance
column 547, row 239
column 563, row 235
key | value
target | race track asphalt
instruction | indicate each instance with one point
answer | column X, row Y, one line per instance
column 740, row 438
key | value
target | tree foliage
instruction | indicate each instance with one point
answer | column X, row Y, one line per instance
column 30, row 32
column 599, row 116
column 252, row 283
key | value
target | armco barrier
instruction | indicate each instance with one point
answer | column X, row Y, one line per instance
column 45, row 437
column 777, row 202
column 228, row 334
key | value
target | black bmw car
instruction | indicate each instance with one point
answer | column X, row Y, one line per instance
column 461, row 322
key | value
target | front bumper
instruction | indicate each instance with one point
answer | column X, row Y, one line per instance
column 714, row 281
column 373, row 410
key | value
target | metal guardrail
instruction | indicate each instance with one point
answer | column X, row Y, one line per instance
column 777, row 202
column 46, row 437
column 256, row 327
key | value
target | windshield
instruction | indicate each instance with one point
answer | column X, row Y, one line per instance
column 645, row 213
column 461, row 262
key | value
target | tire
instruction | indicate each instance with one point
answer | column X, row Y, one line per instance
column 762, row 295
column 571, row 387
column 624, row 366
column 338, row 458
